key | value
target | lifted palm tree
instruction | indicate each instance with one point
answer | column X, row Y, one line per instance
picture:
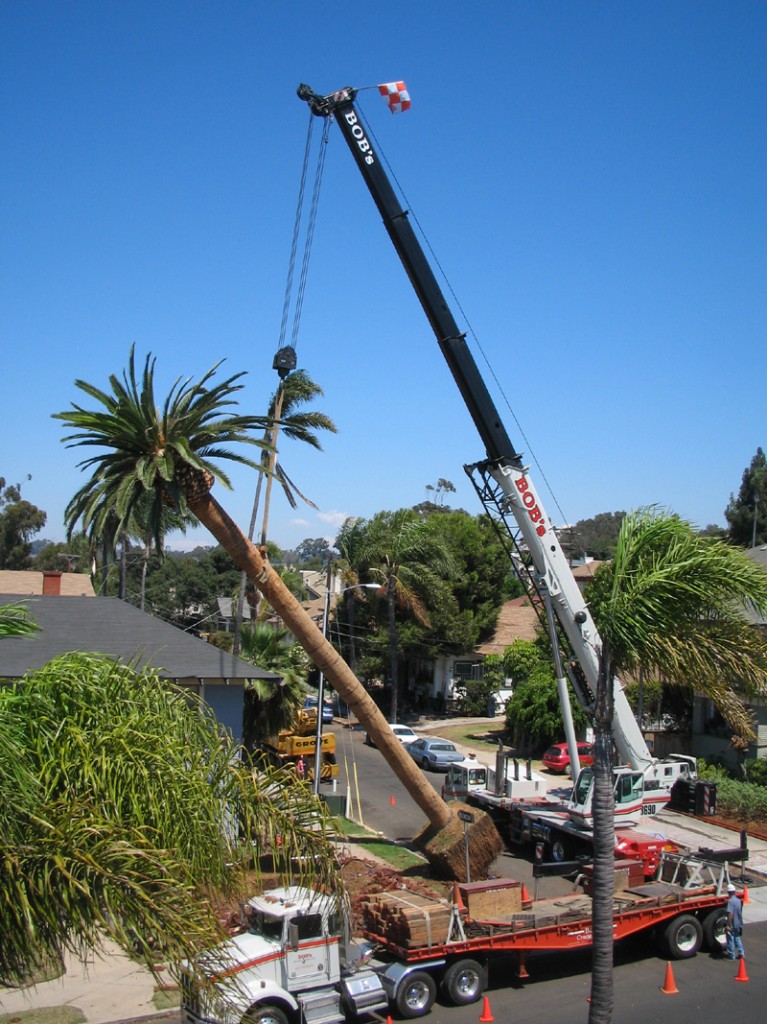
column 672, row 602
column 173, row 454
column 295, row 390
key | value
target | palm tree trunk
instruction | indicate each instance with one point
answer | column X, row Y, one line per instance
column 252, row 561
column 602, row 991
column 272, row 459
column 144, row 566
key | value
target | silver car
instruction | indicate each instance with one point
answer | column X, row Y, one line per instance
column 435, row 754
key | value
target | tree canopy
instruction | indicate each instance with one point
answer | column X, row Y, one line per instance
column 20, row 520
column 746, row 513
column 596, row 537
column 119, row 794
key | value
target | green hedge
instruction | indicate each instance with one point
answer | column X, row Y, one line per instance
column 744, row 801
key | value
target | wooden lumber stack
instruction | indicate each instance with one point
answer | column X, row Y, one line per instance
column 407, row 919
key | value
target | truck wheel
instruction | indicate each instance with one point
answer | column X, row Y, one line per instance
column 415, row 996
column 714, row 934
column 683, row 937
column 559, row 849
column 265, row 1014
column 464, row 982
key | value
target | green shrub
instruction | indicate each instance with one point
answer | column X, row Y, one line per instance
column 744, row 801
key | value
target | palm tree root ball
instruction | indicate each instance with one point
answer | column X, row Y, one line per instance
column 445, row 846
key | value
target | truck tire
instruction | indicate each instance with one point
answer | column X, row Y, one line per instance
column 683, row 937
column 464, row 982
column 265, row 1014
column 560, row 849
column 415, row 996
column 714, row 935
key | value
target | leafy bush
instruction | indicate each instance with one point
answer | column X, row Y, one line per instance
column 756, row 771
column 744, row 801
column 533, row 715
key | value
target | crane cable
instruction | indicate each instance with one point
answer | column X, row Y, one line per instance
column 309, row 239
column 285, row 359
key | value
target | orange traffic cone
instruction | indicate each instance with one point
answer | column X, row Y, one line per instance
column 457, row 897
column 741, row 975
column 487, row 1016
column 392, row 801
column 525, row 897
column 746, row 897
column 388, row 1020
column 669, row 985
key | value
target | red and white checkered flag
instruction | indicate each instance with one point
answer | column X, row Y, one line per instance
column 396, row 95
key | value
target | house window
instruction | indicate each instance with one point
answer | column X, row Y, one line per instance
column 468, row 671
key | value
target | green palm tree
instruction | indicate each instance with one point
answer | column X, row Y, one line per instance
column 408, row 559
column 349, row 544
column 172, row 452
column 672, row 603
column 118, row 796
column 271, row 705
column 294, row 391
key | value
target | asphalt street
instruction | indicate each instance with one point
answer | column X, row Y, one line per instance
column 558, row 989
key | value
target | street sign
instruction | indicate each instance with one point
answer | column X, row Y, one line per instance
column 466, row 816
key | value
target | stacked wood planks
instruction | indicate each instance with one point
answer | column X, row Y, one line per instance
column 407, row 919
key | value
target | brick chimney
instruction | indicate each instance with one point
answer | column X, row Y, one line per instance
column 51, row 583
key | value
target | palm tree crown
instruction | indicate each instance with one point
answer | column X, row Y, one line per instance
column 163, row 451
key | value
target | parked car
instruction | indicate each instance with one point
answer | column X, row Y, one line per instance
column 557, row 758
column 310, row 704
column 435, row 754
column 404, row 734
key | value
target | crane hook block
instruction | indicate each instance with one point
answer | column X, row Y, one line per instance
column 284, row 361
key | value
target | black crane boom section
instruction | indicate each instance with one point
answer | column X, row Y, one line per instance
column 452, row 341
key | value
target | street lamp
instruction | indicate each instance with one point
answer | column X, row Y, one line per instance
column 321, row 683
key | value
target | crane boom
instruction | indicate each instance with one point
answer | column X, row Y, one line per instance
column 504, row 463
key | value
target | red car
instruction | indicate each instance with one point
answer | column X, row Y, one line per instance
column 557, row 758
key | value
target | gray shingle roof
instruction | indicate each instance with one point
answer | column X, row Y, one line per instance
column 106, row 625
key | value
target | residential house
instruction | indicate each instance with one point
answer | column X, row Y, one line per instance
column 517, row 620
column 710, row 733
column 106, row 625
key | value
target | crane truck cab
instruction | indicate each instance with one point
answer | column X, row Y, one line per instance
column 295, row 962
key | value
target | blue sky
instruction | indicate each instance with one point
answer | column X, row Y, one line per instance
column 590, row 175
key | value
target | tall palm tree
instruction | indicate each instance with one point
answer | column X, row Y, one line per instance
column 408, row 559
column 294, row 391
column 172, row 452
column 674, row 603
column 118, row 794
column 349, row 544
column 271, row 705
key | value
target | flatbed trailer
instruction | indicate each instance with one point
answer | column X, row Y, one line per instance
column 683, row 911
column 301, row 959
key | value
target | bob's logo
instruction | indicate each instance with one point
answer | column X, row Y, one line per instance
column 533, row 510
column 359, row 136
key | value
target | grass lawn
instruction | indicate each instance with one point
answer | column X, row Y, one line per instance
column 481, row 737
column 398, row 857
column 46, row 1015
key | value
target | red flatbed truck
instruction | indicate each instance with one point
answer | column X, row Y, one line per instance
column 300, row 958
column 684, row 911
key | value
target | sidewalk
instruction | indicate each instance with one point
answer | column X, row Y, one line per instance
column 108, row 987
